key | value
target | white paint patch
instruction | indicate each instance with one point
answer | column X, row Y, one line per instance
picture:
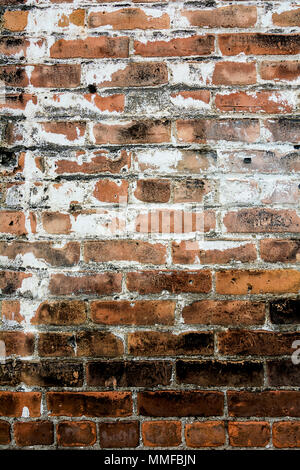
column 25, row 412
column 98, row 73
column 2, row 349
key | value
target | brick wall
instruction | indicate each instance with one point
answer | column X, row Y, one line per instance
column 149, row 224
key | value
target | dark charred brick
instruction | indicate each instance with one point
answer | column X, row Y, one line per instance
column 283, row 373
column 128, row 374
column 267, row 403
column 52, row 374
column 285, row 311
column 220, row 374
column 180, row 403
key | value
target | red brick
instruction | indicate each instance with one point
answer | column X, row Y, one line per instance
column 153, row 190
column 12, row 222
column 90, row 404
column 4, row 433
column 74, row 434
column 249, row 434
column 100, row 162
column 192, row 190
column 124, row 250
column 178, row 47
column 101, row 284
column 60, row 313
column 17, row 343
column 205, row 434
column 234, row 73
column 283, row 130
column 224, row 312
column 175, row 221
column 262, row 221
column 144, row 132
column 14, row 75
column 287, row 18
column 15, row 46
column 259, row 44
column 128, row 18
column 191, row 252
column 152, row 282
column 56, row 223
column 111, row 103
column 15, row 20
column 153, row 343
column 234, row 16
column 286, row 434
column 67, row 255
column 90, row 48
column 161, row 433
column 280, row 71
column 11, row 281
column 12, row 404
column 70, row 130
column 138, row 74
column 56, row 76
column 258, row 282
column 33, row 433
column 271, row 102
column 147, row 312
column 282, row 251
column 111, row 191
column 203, row 130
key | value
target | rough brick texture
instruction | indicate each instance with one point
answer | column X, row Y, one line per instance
column 149, row 224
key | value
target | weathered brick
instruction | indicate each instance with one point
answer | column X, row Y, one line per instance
column 124, row 250
column 234, row 16
column 282, row 251
column 285, row 311
column 286, row 434
column 60, row 313
column 128, row 374
column 161, row 433
column 148, row 282
column 259, row 44
column 142, row 132
column 224, row 312
column 180, row 403
column 142, row 312
column 203, row 130
column 89, row 284
column 280, row 71
column 76, row 433
column 249, row 434
column 256, row 343
column 220, row 374
column 262, row 221
column 152, row 343
column 90, row 48
column 128, row 18
column 13, row 404
column 90, row 404
column 4, row 433
column 261, row 404
column 205, row 434
column 119, row 434
column 234, row 73
column 191, row 46
column 258, row 282
column 34, row 433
